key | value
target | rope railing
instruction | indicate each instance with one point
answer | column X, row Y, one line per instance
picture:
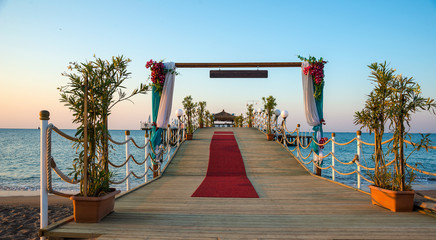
column 420, row 171
column 343, row 144
column 344, row 163
column 296, row 146
column 153, row 160
column 416, row 144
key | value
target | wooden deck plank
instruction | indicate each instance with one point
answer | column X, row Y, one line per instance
column 292, row 203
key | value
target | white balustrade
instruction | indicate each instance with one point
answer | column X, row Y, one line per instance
column 333, row 156
column 147, row 158
column 127, row 138
column 359, row 148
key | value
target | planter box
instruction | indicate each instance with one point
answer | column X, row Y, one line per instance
column 189, row 136
column 270, row 137
column 93, row 209
column 396, row 201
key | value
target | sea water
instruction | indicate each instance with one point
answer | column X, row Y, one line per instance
column 20, row 167
column 20, row 154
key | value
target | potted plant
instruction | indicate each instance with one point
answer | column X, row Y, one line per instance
column 211, row 120
column 207, row 118
column 236, row 121
column 201, row 113
column 250, row 115
column 240, row 120
column 90, row 96
column 393, row 100
column 189, row 107
column 269, row 104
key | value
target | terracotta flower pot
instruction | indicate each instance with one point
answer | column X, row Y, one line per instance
column 93, row 209
column 189, row 136
column 201, row 125
column 250, row 125
column 396, row 201
column 270, row 137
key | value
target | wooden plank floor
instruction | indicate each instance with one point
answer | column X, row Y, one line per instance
column 292, row 203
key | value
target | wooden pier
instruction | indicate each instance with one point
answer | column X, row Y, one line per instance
column 292, row 204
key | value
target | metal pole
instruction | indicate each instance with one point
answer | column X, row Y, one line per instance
column 333, row 158
column 147, row 152
column 284, row 132
column 277, row 127
column 359, row 146
column 127, row 159
column 44, row 116
column 178, row 132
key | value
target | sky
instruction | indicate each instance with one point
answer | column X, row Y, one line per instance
column 40, row 38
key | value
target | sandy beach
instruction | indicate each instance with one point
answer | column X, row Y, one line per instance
column 19, row 215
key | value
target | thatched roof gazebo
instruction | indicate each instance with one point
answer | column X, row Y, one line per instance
column 223, row 119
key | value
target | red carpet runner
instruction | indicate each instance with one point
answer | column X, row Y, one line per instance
column 226, row 175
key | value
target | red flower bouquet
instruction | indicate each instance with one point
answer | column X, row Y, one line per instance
column 158, row 73
column 316, row 69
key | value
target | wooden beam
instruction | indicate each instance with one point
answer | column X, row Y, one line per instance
column 238, row 65
column 238, row 74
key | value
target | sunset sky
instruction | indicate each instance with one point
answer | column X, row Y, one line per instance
column 40, row 38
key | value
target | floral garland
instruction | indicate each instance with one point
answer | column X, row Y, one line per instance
column 158, row 72
column 316, row 69
column 322, row 141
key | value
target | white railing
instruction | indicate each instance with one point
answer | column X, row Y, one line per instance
column 153, row 161
column 301, row 142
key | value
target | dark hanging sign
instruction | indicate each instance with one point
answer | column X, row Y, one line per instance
column 238, row 73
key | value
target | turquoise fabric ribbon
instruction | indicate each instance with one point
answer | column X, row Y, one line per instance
column 156, row 134
column 318, row 128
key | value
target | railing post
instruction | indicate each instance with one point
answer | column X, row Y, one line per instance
column 155, row 163
column 298, row 141
column 359, row 147
column 127, row 159
column 320, row 159
column 168, row 144
column 147, row 152
column 44, row 116
column 333, row 156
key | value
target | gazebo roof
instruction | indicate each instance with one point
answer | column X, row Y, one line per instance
column 223, row 116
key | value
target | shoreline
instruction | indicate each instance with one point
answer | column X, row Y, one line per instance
column 24, row 193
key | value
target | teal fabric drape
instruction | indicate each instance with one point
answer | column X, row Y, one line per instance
column 156, row 134
column 318, row 128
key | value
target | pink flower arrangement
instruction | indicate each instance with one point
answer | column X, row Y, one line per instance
column 322, row 141
column 316, row 69
column 157, row 76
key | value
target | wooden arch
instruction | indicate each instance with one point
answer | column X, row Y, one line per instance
column 238, row 65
